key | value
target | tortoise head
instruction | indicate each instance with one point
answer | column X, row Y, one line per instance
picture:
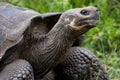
column 80, row 18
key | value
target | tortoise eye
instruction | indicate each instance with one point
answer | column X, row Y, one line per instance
column 84, row 12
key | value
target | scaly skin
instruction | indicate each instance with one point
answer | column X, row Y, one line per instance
column 79, row 64
column 17, row 70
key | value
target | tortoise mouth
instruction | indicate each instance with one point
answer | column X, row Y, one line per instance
column 88, row 22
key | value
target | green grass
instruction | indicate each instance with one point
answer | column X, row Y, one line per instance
column 104, row 40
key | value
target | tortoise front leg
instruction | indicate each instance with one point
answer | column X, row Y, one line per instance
column 17, row 70
column 79, row 64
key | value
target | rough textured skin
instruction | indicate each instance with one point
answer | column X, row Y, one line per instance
column 42, row 50
column 17, row 70
column 79, row 64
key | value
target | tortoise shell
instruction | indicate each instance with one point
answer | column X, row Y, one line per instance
column 15, row 20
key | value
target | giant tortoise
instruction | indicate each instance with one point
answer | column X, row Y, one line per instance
column 31, row 44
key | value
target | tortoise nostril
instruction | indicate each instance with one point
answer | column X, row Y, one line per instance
column 97, row 10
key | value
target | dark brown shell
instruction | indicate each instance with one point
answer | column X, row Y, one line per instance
column 14, row 21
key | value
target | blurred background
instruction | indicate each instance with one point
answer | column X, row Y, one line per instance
column 103, row 41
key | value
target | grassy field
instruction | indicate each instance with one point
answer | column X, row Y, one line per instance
column 104, row 40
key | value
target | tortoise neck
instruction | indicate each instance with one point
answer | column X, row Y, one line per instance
column 55, row 45
column 45, row 52
column 62, row 31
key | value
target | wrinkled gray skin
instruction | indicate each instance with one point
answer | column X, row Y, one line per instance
column 27, row 46
column 79, row 64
